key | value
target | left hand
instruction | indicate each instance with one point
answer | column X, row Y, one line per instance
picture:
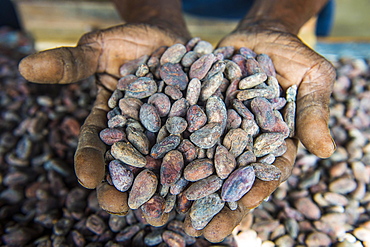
column 295, row 63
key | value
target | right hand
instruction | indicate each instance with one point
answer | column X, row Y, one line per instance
column 101, row 52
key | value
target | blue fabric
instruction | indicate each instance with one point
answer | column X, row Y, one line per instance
column 325, row 20
column 230, row 9
column 8, row 15
column 236, row 9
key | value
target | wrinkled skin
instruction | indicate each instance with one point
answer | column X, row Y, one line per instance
column 102, row 53
column 295, row 63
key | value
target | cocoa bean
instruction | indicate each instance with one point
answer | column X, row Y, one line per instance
column 203, row 187
column 173, row 75
column 150, row 118
column 236, row 140
column 154, row 207
column 167, row 144
column 161, row 102
column 171, row 168
column 203, row 210
column 126, row 153
column 224, row 161
column 207, row 136
column 266, row 172
column 143, row 188
column 173, row 54
column 198, row 169
column 110, row 136
column 201, row 66
column 238, row 184
column 138, row 139
column 196, row 118
column 122, row 177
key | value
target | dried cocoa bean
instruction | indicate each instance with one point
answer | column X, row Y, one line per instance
column 203, row 210
column 117, row 121
column 122, row 177
column 171, row 168
column 143, row 188
column 173, row 239
column 242, row 110
column 236, row 140
column 196, row 118
column 170, row 203
column 201, row 66
column 131, row 66
column 210, row 86
column 266, row 143
column 203, row 187
column 173, row 54
column 233, row 119
column 179, row 108
column 149, row 117
column 126, row 153
column 225, row 162
column 238, row 184
column 167, row 144
column 161, row 102
column 207, row 136
column 266, row 64
column 183, row 204
column 113, row 99
column 176, row 125
column 188, row 149
column 198, row 169
column 178, row 186
column 266, row 172
column 247, row 52
column 226, row 51
column 216, row 111
column 173, row 92
column 189, row 58
column 138, row 139
column 130, row 107
column 154, row 207
column 173, row 75
column 142, row 71
column 110, row 136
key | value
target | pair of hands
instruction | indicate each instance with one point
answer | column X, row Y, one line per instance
column 103, row 52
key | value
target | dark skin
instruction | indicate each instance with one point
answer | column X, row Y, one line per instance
column 270, row 27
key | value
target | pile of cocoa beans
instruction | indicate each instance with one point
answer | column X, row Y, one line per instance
column 191, row 128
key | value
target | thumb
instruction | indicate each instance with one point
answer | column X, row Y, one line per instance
column 61, row 65
column 312, row 124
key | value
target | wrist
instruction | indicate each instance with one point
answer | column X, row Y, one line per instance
column 166, row 15
column 283, row 15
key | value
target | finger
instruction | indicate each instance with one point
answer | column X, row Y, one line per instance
column 223, row 224
column 61, row 65
column 112, row 200
column 313, row 114
column 89, row 157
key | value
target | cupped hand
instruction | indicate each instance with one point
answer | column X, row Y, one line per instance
column 101, row 52
column 295, row 64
